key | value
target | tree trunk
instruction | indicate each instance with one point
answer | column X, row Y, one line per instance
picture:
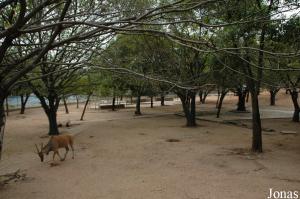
column 162, row 100
column 52, row 118
column 218, row 99
column 256, row 123
column 241, row 105
column 131, row 100
column 255, row 90
column 223, row 94
column 151, row 101
column 273, row 93
column 113, row 107
column 138, row 105
column 2, row 123
column 7, row 106
column 193, row 110
column 201, row 96
column 51, row 110
column 187, row 114
column 86, row 103
column 272, row 98
column 294, row 95
column 189, row 108
column 23, row 102
column 22, row 111
column 77, row 102
column 296, row 115
column 205, row 94
column 247, row 97
column 65, row 105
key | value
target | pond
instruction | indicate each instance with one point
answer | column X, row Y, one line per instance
column 33, row 101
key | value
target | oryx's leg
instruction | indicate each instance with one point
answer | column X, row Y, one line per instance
column 54, row 153
column 59, row 155
column 67, row 150
column 71, row 145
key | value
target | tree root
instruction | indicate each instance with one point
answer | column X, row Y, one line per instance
column 14, row 176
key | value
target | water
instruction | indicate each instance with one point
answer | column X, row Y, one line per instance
column 15, row 101
column 33, row 101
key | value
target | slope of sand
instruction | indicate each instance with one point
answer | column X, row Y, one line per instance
column 120, row 156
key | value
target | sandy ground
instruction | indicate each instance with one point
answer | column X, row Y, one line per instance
column 121, row 156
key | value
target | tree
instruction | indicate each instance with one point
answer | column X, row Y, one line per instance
column 274, row 81
column 24, row 92
column 241, row 91
column 292, row 85
column 290, row 37
column 244, row 38
column 112, row 85
column 224, row 78
column 86, row 86
column 58, row 78
column 203, row 93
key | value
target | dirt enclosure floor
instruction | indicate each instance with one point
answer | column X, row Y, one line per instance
column 121, row 156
